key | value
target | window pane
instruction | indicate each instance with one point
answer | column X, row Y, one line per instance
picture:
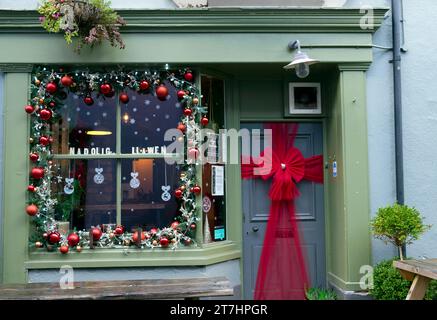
column 89, row 197
column 213, row 176
column 147, row 193
column 79, row 122
column 145, row 119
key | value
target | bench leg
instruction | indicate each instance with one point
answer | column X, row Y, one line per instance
column 418, row 288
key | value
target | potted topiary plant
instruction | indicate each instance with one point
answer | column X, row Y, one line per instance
column 91, row 21
column 399, row 225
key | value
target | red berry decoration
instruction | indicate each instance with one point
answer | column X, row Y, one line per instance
column 181, row 94
column 37, row 173
column 187, row 242
column 97, row 233
column 34, row 157
column 32, row 210
column 105, row 88
column 44, row 140
column 162, row 92
column 175, row 224
column 63, row 249
column 66, row 81
column 135, row 236
column 204, row 121
column 144, row 85
column 51, row 87
column 88, row 100
column 124, row 97
column 178, row 193
column 31, row 188
column 196, row 190
column 193, row 226
column 54, row 237
column 73, row 239
column 188, row 76
column 153, row 231
column 182, row 127
column 29, row 109
column 45, row 114
column 163, row 242
column 188, row 112
column 119, row 230
column 52, row 104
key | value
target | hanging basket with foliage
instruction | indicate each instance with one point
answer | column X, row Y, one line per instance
column 90, row 21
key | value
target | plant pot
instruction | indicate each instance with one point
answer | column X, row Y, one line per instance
column 63, row 227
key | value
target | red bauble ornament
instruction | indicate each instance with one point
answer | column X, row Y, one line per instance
column 119, row 230
column 29, row 109
column 181, row 94
column 97, row 233
column 196, row 190
column 161, row 92
column 44, row 140
column 73, row 239
column 88, row 100
column 182, row 127
column 204, row 121
column 51, row 87
column 45, row 114
column 54, row 237
column 66, row 81
column 63, row 249
column 32, row 210
column 124, row 97
column 34, row 157
column 105, row 88
column 135, row 236
column 188, row 76
column 144, row 85
column 45, row 235
column 31, row 188
column 193, row 153
column 175, row 224
column 178, row 193
column 188, row 112
column 37, row 173
column 163, row 242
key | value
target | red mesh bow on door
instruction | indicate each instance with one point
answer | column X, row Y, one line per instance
column 282, row 273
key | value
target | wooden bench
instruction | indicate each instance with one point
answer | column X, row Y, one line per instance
column 421, row 272
column 132, row 289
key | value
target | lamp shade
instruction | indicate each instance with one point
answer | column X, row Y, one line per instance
column 300, row 58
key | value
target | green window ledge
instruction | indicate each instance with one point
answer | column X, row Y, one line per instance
column 107, row 258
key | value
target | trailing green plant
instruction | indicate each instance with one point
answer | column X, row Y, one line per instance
column 320, row 294
column 91, row 21
column 388, row 284
column 399, row 225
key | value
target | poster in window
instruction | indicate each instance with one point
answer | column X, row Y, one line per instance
column 217, row 178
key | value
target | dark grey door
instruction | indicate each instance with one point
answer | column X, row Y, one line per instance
column 309, row 210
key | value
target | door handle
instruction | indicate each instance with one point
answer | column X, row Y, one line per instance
column 255, row 229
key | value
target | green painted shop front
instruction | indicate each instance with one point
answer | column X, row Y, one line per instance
column 247, row 47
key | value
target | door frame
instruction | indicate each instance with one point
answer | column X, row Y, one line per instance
column 322, row 120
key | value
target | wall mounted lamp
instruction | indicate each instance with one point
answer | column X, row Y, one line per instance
column 301, row 61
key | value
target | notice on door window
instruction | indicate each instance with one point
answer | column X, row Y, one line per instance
column 218, row 180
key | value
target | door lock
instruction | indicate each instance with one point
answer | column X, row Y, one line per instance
column 255, row 229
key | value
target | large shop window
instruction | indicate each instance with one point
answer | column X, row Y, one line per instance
column 109, row 168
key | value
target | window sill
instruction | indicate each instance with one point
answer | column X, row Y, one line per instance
column 107, row 258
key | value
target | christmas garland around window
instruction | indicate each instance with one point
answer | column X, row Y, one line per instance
column 49, row 89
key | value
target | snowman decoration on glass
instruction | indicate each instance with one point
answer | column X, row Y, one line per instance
column 69, row 188
column 134, row 182
column 98, row 177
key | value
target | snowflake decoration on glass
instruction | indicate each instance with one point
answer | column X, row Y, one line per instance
column 147, row 102
column 158, row 107
column 167, row 116
column 134, row 109
column 75, row 97
column 132, row 121
column 104, row 114
column 100, row 103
